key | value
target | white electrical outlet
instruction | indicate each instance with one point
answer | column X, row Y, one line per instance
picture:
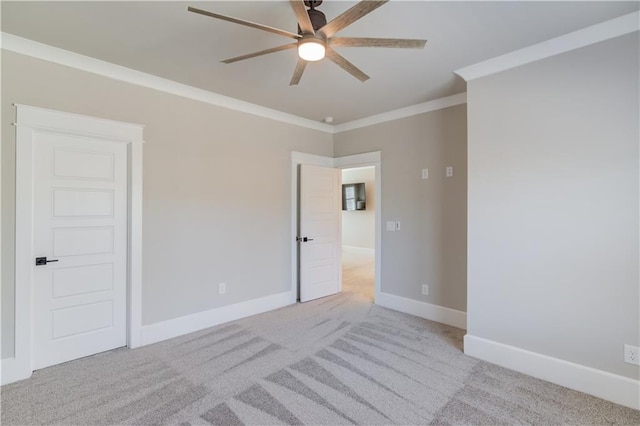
column 425, row 173
column 449, row 171
column 222, row 288
column 425, row 289
column 632, row 354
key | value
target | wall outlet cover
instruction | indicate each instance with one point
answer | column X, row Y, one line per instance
column 391, row 226
column 425, row 173
column 425, row 289
column 632, row 354
column 222, row 288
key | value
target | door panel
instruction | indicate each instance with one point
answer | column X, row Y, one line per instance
column 81, row 164
column 82, row 202
column 80, row 220
column 320, row 204
column 82, row 280
column 82, row 241
column 82, row 319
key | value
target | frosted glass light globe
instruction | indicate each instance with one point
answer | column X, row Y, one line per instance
column 311, row 50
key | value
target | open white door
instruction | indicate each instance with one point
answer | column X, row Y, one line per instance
column 320, row 233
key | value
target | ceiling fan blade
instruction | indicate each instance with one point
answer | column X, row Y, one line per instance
column 302, row 16
column 245, row 23
column 351, row 16
column 404, row 43
column 297, row 73
column 260, row 53
column 346, row 65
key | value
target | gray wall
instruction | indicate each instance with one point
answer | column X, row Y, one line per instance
column 553, row 206
column 431, row 247
column 359, row 227
column 217, row 188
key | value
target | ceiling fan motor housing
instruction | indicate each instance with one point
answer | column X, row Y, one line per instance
column 318, row 20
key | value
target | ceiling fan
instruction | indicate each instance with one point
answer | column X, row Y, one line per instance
column 315, row 38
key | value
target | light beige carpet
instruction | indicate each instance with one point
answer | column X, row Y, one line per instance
column 358, row 272
column 338, row 360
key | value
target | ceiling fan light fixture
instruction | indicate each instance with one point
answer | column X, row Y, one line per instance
column 311, row 49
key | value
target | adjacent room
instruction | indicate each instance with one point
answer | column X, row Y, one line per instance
column 320, row 212
column 358, row 231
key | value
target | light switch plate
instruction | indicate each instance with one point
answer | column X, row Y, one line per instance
column 391, row 226
column 425, row 173
column 397, row 226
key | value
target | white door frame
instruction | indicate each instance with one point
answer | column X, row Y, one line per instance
column 30, row 121
column 346, row 162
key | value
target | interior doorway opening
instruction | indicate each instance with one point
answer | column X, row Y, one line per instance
column 358, row 231
column 300, row 280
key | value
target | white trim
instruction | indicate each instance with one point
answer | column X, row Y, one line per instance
column 58, row 121
column 135, row 245
column 358, row 250
column 436, row 104
column 31, row 119
column 85, row 63
column 425, row 310
column 612, row 387
column 594, row 34
column 1, row 346
column 358, row 160
column 189, row 323
column 67, row 58
column 11, row 371
column 21, row 366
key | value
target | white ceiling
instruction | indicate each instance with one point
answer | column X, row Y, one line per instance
column 163, row 39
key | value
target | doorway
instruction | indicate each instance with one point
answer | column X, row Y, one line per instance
column 371, row 160
column 78, row 238
column 358, row 231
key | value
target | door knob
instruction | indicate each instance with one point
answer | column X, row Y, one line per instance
column 303, row 239
column 43, row 261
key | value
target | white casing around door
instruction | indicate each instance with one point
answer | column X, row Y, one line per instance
column 80, row 220
column 320, row 222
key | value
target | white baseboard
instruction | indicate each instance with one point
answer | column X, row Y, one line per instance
column 431, row 312
column 188, row 324
column 11, row 371
column 612, row 387
column 358, row 250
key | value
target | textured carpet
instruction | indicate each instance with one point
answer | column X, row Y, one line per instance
column 338, row 360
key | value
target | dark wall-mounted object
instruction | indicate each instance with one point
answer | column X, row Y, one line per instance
column 353, row 197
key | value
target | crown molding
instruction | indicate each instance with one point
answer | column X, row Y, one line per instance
column 460, row 98
column 70, row 59
column 67, row 58
column 616, row 27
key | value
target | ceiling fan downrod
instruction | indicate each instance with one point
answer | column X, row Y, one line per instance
column 318, row 20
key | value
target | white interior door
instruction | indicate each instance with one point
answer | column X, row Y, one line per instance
column 320, row 208
column 80, row 226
